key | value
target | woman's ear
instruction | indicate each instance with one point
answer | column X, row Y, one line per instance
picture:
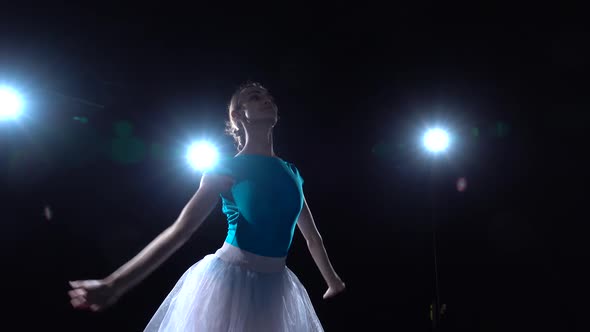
column 236, row 115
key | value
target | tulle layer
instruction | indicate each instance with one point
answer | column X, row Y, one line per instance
column 233, row 291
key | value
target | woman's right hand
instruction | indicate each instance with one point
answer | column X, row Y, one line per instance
column 94, row 295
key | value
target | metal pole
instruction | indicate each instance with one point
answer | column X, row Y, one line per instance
column 435, row 315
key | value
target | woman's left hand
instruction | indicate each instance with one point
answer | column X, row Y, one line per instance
column 334, row 289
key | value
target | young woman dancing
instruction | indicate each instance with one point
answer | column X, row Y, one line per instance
column 245, row 285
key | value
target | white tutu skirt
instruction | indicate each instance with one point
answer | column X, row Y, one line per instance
column 235, row 290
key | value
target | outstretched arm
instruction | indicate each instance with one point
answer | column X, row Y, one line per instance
column 106, row 291
column 316, row 247
column 171, row 239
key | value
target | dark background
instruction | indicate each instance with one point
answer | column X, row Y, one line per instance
column 114, row 94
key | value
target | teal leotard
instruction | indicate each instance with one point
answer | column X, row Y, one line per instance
column 264, row 203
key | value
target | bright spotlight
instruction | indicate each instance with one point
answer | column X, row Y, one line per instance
column 202, row 156
column 10, row 103
column 436, row 140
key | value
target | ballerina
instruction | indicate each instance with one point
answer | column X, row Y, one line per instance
column 245, row 285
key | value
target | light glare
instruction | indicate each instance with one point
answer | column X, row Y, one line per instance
column 11, row 103
column 202, row 156
column 436, row 140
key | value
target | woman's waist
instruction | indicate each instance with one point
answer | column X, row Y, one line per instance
column 236, row 255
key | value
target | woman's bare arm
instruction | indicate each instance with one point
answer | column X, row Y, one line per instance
column 316, row 247
column 171, row 239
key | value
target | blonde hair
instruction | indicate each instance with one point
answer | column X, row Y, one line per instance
column 233, row 128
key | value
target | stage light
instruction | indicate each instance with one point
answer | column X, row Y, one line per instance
column 202, row 156
column 11, row 103
column 436, row 140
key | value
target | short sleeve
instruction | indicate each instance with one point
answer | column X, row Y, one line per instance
column 295, row 171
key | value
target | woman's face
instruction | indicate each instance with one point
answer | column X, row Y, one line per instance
column 258, row 105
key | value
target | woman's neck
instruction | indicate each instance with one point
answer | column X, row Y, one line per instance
column 259, row 142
